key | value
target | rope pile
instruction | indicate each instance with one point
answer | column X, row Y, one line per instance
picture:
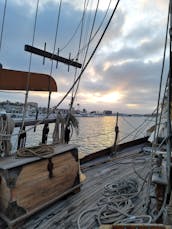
column 117, row 204
column 121, row 187
column 39, row 151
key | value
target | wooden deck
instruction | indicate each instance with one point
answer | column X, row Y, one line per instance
column 64, row 213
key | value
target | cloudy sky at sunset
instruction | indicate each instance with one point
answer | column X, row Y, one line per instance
column 124, row 73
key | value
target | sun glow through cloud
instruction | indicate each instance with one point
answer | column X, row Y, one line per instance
column 113, row 97
column 132, row 105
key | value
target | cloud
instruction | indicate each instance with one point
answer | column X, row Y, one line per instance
column 128, row 60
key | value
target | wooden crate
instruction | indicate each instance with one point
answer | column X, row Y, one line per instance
column 29, row 184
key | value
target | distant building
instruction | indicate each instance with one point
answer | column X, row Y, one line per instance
column 16, row 109
column 10, row 107
column 107, row 112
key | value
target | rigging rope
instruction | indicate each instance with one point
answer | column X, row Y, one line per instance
column 3, row 21
column 98, row 29
column 91, row 56
column 75, row 32
column 82, row 71
column 94, row 19
column 55, row 40
column 162, row 72
column 133, row 131
column 29, row 70
column 80, row 39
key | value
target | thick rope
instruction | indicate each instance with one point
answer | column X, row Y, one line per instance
column 118, row 202
column 39, row 151
column 6, row 129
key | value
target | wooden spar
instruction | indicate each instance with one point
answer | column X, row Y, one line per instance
column 33, row 122
column 17, row 80
column 51, row 56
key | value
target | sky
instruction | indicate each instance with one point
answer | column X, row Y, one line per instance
column 123, row 75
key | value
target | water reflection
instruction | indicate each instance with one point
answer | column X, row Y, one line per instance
column 95, row 133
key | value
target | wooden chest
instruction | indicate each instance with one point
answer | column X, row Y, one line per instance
column 29, row 184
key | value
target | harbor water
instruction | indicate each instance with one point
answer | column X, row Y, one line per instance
column 95, row 133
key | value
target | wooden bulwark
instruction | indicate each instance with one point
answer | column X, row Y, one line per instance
column 17, row 80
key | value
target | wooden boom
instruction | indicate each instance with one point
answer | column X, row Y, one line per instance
column 51, row 56
column 17, row 80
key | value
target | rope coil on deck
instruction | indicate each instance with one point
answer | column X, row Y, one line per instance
column 122, row 187
column 117, row 204
column 40, row 151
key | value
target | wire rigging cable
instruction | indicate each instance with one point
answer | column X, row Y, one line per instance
column 98, row 29
column 162, row 70
column 75, row 31
column 80, row 39
column 93, row 24
column 94, row 19
column 54, row 47
column 30, row 62
column 82, row 71
column 3, row 22
column 91, row 56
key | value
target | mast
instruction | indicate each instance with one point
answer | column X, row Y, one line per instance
column 169, row 133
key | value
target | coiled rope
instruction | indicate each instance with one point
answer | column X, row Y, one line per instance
column 39, row 151
column 116, row 205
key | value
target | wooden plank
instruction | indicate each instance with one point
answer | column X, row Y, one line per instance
column 20, row 220
column 33, row 122
column 18, row 80
column 4, row 194
column 12, row 162
column 51, row 56
column 34, row 187
column 65, row 213
column 107, row 151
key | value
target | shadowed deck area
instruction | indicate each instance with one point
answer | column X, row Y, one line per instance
column 64, row 213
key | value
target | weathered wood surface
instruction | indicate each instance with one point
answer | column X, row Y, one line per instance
column 27, row 187
column 34, row 187
column 12, row 161
column 64, row 213
column 51, row 56
column 4, row 194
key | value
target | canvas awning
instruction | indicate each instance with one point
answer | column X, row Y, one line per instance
column 17, row 80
